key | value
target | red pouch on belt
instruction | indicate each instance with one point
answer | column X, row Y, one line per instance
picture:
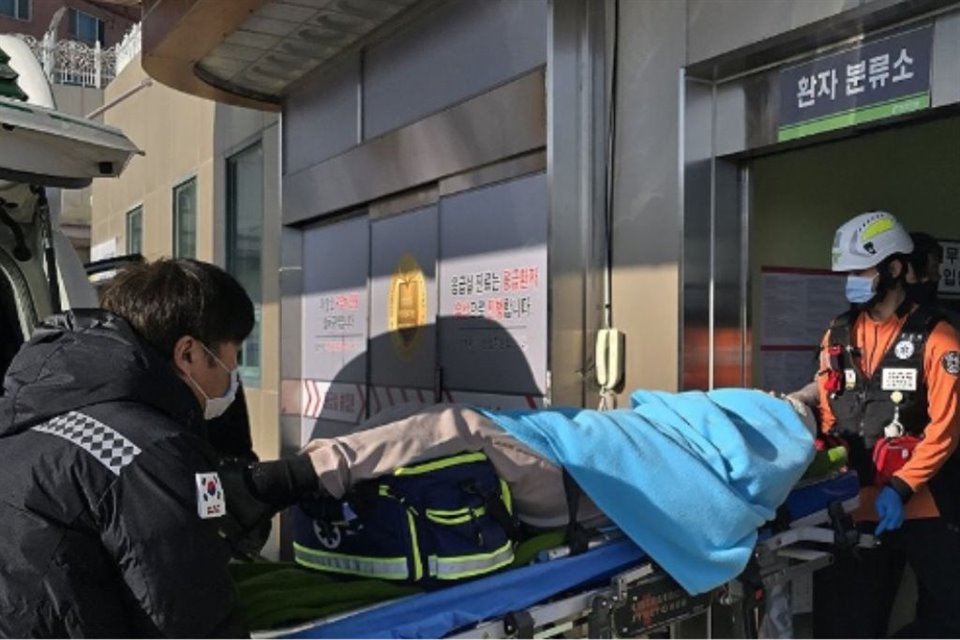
column 890, row 454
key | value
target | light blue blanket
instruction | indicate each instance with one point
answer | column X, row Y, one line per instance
column 690, row 477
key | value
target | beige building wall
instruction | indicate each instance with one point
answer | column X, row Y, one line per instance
column 175, row 132
column 184, row 137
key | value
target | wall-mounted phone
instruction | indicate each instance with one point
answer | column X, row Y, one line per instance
column 610, row 358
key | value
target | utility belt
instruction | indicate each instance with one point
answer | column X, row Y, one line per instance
column 432, row 523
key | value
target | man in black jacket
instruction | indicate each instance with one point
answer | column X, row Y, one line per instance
column 110, row 500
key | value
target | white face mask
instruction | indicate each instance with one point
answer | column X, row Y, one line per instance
column 216, row 407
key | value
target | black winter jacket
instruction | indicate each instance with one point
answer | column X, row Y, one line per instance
column 100, row 528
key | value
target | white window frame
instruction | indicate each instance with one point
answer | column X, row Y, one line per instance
column 128, row 245
column 176, row 216
column 251, row 374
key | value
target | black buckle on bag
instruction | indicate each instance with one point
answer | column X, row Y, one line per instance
column 495, row 507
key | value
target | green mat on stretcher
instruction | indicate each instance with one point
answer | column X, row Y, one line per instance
column 283, row 594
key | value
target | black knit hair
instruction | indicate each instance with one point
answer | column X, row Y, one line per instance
column 168, row 299
column 924, row 246
column 886, row 281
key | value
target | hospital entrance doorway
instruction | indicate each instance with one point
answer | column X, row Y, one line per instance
column 797, row 199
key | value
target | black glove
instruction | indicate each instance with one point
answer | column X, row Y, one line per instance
column 257, row 491
column 283, row 483
column 247, row 523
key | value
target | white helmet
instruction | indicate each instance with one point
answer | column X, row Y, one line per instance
column 867, row 240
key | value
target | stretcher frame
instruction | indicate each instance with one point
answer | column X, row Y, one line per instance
column 785, row 552
column 779, row 559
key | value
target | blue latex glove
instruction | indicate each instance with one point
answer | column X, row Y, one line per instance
column 890, row 509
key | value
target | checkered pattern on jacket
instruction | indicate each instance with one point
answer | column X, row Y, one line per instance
column 110, row 448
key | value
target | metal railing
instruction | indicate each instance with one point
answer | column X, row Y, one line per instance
column 128, row 49
column 77, row 63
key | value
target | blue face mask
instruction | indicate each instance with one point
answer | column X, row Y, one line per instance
column 861, row 289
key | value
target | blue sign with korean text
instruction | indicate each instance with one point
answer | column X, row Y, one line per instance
column 878, row 79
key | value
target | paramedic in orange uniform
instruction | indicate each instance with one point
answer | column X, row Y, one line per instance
column 888, row 388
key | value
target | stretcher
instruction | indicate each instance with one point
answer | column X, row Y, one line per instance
column 613, row 589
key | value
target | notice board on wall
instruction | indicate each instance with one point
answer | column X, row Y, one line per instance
column 335, row 329
column 796, row 307
column 493, row 287
column 335, row 300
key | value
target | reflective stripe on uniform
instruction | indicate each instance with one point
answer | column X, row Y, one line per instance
column 455, row 568
column 385, row 568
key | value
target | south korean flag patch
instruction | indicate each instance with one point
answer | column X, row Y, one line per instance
column 951, row 362
column 210, row 501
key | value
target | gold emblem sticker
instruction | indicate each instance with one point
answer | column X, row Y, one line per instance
column 407, row 306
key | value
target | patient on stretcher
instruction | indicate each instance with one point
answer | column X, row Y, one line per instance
column 689, row 477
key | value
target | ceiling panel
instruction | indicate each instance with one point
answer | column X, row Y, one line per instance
column 286, row 39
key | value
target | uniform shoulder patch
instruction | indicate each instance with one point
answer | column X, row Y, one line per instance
column 210, row 500
column 904, row 349
column 951, row 362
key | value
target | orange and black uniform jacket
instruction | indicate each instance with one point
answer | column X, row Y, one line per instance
column 941, row 435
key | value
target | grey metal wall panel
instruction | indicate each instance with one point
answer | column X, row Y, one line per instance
column 715, row 28
column 291, row 309
column 335, row 301
column 493, row 288
column 460, row 50
column 505, row 122
column 403, row 303
column 697, row 351
column 291, row 316
column 729, row 301
column 321, row 116
column 576, row 161
column 731, row 111
column 648, row 202
column 945, row 71
column 713, row 269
